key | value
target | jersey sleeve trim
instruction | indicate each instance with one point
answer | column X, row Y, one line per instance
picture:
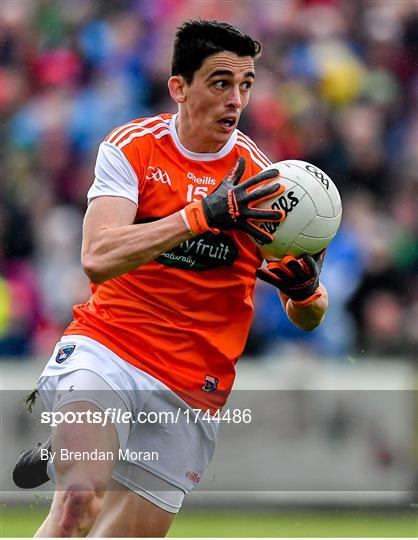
column 122, row 136
column 255, row 153
column 114, row 175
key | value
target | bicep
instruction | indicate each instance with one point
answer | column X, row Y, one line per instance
column 107, row 213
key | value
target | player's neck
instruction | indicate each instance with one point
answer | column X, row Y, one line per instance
column 192, row 138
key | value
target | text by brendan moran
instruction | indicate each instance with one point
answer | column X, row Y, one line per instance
column 64, row 454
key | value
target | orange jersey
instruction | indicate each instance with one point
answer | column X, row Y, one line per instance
column 183, row 318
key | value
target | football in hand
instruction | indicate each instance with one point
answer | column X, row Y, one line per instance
column 312, row 206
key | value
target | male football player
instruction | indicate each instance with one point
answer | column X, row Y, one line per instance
column 167, row 248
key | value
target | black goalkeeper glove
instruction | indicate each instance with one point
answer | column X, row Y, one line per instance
column 296, row 278
column 231, row 205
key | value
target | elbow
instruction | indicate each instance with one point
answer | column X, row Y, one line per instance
column 92, row 269
column 310, row 326
column 304, row 322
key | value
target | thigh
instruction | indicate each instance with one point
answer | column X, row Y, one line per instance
column 80, row 482
column 83, row 385
column 127, row 514
column 83, row 454
column 85, row 443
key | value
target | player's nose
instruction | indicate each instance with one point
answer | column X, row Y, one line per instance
column 234, row 98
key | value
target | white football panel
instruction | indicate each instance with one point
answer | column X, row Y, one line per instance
column 312, row 245
column 322, row 227
column 331, row 192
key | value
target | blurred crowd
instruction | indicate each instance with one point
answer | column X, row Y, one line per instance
column 337, row 85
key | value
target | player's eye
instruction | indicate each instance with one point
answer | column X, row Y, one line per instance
column 220, row 84
column 246, row 85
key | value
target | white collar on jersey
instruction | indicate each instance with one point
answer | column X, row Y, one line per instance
column 196, row 156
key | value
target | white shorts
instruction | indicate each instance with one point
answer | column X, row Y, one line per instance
column 164, row 449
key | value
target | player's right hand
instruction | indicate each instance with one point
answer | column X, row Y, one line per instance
column 232, row 205
column 298, row 278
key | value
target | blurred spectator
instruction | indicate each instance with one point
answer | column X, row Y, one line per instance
column 337, row 85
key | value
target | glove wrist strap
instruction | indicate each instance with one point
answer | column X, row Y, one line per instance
column 308, row 301
column 195, row 219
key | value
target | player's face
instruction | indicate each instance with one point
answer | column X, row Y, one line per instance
column 216, row 98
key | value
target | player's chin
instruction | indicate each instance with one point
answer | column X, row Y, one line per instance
column 221, row 134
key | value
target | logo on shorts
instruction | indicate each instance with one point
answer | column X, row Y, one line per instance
column 64, row 353
column 193, row 476
column 211, row 383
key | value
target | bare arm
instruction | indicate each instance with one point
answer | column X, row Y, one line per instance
column 113, row 245
column 309, row 317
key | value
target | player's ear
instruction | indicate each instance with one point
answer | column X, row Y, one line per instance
column 177, row 87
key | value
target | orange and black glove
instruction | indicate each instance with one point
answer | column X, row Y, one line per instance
column 232, row 205
column 296, row 278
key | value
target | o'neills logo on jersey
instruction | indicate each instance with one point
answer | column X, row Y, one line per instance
column 201, row 180
column 193, row 476
column 203, row 252
column 158, row 175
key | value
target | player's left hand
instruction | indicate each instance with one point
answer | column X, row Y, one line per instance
column 296, row 278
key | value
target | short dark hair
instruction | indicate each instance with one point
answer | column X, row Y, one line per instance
column 197, row 39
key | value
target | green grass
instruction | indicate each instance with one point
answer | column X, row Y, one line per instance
column 23, row 521
column 296, row 524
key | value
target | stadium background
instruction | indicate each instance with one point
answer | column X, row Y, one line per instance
column 337, row 85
